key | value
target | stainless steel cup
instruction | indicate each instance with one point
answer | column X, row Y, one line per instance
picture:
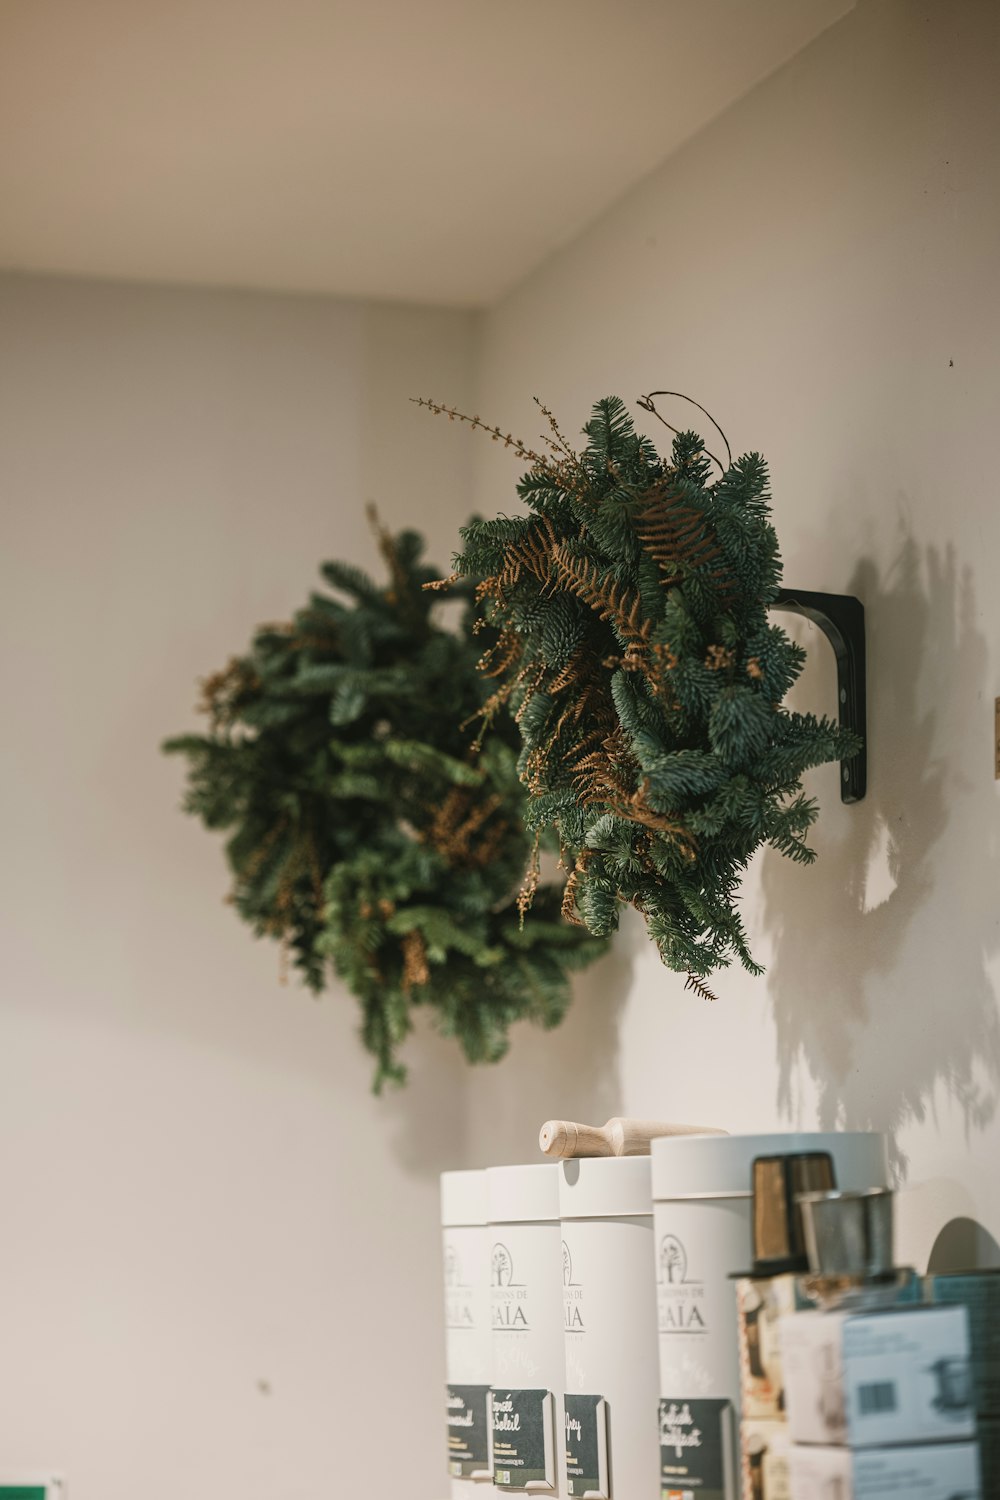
column 848, row 1234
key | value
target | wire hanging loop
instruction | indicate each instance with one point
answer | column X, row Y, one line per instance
column 646, row 402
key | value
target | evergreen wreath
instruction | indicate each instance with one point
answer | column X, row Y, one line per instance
column 365, row 833
column 635, row 649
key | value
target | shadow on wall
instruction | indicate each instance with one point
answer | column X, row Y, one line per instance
column 426, row 1116
column 571, row 1072
column 963, row 1245
column 879, row 981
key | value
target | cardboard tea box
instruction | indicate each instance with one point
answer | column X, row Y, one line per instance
column 919, row 1471
column 989, row 1454
column 862, row 1379
column 761, row 1301
column 979, row 1292
column 764, row 1449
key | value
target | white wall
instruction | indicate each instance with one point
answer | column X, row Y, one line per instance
column 819, row 269
column 219, row 1260
column 220, row 1256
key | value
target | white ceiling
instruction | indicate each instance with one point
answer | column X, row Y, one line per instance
column 429, row 150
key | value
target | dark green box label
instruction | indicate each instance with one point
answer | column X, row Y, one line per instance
column 468, row 1429
column 586, row 1445
column 696, row 1449
column 522, row 1438
column 24, row 1491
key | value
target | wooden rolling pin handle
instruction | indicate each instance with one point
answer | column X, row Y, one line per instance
column 633, row 1137
column 619, row 1137
column 564, row 1138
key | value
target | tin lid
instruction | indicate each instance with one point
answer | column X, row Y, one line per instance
column 594, row 1187
column 522, row 1195
column 463, row 1198
column 721, row 1166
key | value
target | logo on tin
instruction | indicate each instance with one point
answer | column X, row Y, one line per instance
column 501, row 1266
column 673, row 1261
column 572, row 1294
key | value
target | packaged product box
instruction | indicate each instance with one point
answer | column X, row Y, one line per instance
column 989, row 1454
column 979, row 1291
column 764, row 1448
column 900, row 1375
column 761, row 1301
column 915, row 1471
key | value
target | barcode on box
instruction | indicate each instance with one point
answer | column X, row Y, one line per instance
column 878, row 1397
column 502, row 1476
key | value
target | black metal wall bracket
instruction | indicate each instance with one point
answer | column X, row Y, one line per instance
column 841, row 618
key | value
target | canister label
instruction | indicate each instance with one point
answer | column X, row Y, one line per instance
column 696, row 1447
column 468, row 1429
column 586, row 1446
column 523, row 1451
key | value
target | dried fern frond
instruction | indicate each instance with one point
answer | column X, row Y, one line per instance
column 699, row 986
column 613, row 602
column 501, row 656
column 636, row 809
column 672, row 532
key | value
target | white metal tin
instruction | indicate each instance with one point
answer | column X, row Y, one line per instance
column 526, row 1297
column 609, row 1297
column 702, row 1226
column 713, row 1166
column 466, row 1246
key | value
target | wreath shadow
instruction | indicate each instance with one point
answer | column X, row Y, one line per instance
column 571, row 1072
column 879, row 983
